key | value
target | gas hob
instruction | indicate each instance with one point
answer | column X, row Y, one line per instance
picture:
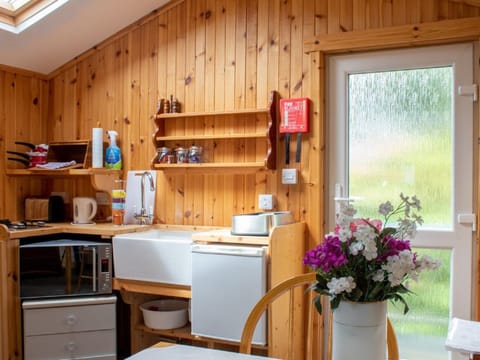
column 23, row 225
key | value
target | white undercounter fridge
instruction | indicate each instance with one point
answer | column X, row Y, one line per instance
column 227, row 281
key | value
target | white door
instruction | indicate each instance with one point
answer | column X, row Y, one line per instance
column 396, row 123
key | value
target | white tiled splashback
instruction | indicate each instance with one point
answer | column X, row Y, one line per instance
column 133, row 198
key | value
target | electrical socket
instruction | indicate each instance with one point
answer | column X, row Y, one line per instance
column 265, row 201
column 289, row 176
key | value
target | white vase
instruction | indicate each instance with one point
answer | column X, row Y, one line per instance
column 359, row 331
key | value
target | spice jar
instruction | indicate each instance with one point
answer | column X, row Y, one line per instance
column 166, row 107
column 195, row 154
column 175, row 106
column 182, row 155
column 162, row 155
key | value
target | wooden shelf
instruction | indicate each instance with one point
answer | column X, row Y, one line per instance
column 211, row 137
column 61, row 172
column 213, row 113
column 247, row 167
column 101, row 179
column 152, row 288
column 269, row 114
column 185, row 333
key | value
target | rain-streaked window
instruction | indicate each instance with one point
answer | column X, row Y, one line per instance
column 400, row 139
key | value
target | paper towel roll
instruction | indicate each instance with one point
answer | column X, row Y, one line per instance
column 97, row 148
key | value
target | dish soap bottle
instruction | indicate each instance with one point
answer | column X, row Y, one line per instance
column 113, row 156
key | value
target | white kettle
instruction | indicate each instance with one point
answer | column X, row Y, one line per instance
column 84, row 210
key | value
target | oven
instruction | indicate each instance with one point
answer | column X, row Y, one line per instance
column 64, row 268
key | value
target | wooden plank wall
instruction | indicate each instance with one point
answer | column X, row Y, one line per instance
column 211, row 55
column 23, row 113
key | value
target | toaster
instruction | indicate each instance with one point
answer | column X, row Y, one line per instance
column 49, row 209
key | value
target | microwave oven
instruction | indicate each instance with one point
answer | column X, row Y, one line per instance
column 64, row 268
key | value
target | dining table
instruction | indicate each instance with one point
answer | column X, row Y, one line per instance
column 164, row 350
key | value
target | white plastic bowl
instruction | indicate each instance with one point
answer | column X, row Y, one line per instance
column 165, row 314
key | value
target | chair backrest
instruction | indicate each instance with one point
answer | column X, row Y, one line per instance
column 287, row 287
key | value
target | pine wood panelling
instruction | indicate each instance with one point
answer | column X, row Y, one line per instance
column 10, row 346
column 211, row 55
column 400, row 11
column 23, row 106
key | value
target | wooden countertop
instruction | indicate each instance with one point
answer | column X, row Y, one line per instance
column 103, row 229
column 225, row 236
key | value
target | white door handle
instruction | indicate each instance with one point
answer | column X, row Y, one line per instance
column 468, row 219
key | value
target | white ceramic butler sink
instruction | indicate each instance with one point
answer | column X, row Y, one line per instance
column 161, row 256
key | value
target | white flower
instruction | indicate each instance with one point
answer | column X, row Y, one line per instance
column 355, row 247
column 343, row 221
column 426, row 262
column 407, row 229
column 415, row 203
column 379, row 276
column 385, row 208
column 398, row 266
column 347, row 210
column 343, row 284
column 370, row 250
column 344, row 233
column 366, row 235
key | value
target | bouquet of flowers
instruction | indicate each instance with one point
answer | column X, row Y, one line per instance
column 365, row 260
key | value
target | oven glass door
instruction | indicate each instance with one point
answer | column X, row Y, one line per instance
column 63, row 268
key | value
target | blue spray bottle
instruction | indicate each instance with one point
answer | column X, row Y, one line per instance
column 113, row 156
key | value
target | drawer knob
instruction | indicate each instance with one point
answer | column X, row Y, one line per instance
column 71, row 346
column 71, row 320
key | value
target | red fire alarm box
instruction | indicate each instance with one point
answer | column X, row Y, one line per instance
column 294, row 115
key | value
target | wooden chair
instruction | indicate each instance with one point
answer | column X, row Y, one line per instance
column 288, row 286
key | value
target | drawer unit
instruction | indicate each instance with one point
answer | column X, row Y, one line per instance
column 70, row 328
column 82, row 345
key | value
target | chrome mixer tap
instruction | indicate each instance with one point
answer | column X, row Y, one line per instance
column 145, row 217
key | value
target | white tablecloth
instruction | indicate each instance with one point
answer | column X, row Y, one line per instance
column 185, row 352
column 463, row 336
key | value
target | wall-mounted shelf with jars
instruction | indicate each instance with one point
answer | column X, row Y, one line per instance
column 243, row 140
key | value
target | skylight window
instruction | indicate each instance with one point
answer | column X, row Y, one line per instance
column 18, row 15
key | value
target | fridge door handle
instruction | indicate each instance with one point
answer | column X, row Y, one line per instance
column 229, row 250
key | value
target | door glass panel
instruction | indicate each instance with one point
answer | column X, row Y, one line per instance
column 400, row 139
column 421, row 333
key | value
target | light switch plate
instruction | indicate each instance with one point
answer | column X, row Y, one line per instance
column 265, row 201
column 289, row 176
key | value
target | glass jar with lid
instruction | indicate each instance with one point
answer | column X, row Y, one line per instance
column 163, row 155
column 181, row 155
column 195, row 154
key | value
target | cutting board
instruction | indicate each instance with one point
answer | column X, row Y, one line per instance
column 133, row 200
